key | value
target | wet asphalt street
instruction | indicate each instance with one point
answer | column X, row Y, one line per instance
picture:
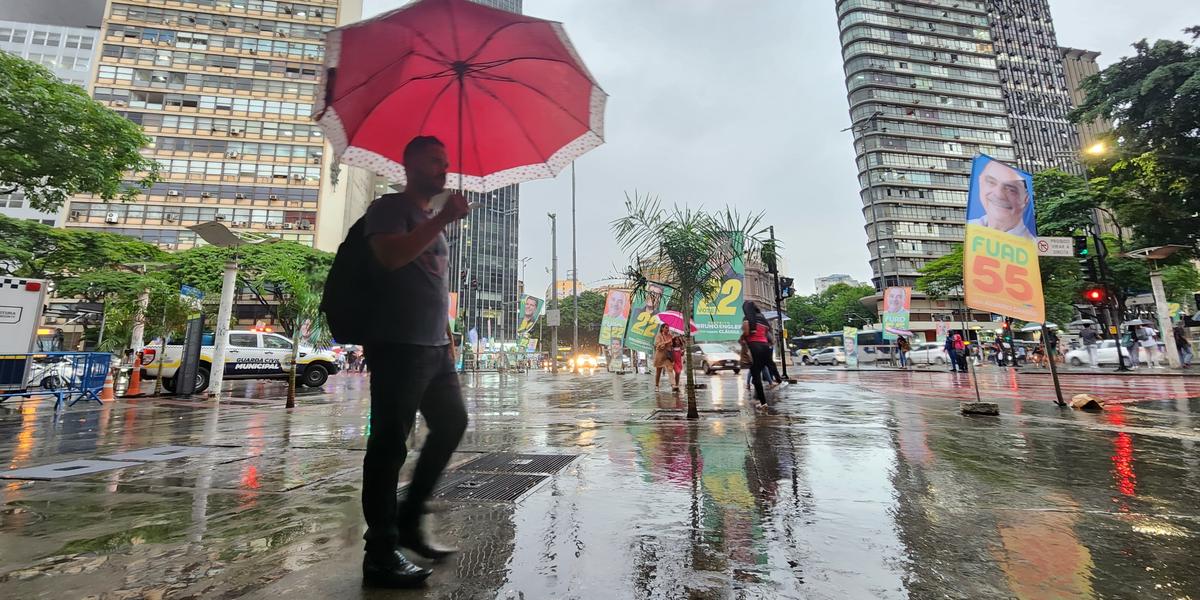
column 854, row 485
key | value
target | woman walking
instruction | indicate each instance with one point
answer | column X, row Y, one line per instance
column 677, row 359
column 662, row 353
column 755, row 330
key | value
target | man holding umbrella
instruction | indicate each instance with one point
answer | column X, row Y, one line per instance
column 414, row 368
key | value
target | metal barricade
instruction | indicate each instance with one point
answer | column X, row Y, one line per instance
column 68, row 376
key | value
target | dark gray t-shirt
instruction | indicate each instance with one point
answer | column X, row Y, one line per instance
column 413, row 301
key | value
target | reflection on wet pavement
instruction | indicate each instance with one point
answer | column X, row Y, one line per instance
column 855, row 485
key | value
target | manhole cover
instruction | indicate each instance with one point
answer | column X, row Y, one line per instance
column 510, row 462
column 487, row 487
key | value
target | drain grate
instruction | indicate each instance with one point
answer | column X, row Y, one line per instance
column 510, row 462
column 677, row 414
column 487, row 487
column 66, row 469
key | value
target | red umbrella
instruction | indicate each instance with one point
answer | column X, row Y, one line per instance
column 674, row 320
column 506, row 93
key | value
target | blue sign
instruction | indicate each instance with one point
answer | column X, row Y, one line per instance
column 191, row 292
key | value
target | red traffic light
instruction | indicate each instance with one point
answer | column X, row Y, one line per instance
column 1094, row 295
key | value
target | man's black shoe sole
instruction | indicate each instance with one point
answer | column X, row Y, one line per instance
column 382, row 580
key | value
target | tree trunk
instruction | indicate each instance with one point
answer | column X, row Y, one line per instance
column 291, row 395
column 687, row 357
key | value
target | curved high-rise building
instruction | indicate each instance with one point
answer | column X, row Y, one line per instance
column 925, row 97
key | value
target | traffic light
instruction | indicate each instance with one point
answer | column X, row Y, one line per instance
column 787, row 287
column 1094, row 295
column 1083, row 255
column 1081, row 246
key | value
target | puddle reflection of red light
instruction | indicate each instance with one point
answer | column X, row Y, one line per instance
column 1122, row 457
column 250, row 477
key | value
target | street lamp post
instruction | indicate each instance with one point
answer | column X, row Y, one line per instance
column 553, row 293
column 574, row 282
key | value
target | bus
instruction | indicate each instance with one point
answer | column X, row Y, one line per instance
column 872, row 346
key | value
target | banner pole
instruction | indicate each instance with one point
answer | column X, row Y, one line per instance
column 1053, row 370
column 967, row 344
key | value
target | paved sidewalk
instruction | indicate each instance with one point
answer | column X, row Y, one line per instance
column 854, row 485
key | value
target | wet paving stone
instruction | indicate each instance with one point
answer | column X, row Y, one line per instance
column 852, row 485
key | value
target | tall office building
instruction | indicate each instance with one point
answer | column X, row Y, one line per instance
column 1079, row 65
column 224, row 88
column 932, row 83
column 925, row 97
column 60, row 35
column 1035, row 87
column 484, row 259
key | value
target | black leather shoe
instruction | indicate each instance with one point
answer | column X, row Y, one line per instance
column 392, row 570
column 415, row 540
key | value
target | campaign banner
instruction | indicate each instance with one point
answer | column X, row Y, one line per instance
column 896, row 304
column 942, row 329
column 850, row 345
column 616, row 315
column 531, row 309
column 453, row 312
column 720, row 319
column 639, row 333
column 1000, row 258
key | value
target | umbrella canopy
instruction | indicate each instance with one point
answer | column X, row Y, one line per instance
column 674, row 320
column 771, row 315
column 506, row 93
column 1136, row 323
column 1037, row 327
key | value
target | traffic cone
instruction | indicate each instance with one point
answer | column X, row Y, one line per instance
column 135, row 378
column 107, row 392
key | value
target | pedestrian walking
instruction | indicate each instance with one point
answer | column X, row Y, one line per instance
column 677, row 359
column 960, row 352
column 1148, row 340
column 755, row 330
column 902, row 348
column 1131, row 344
column 1183, row 344
column 948, row 347
column 662, row 353
column 1091, row 342
column 412, row 366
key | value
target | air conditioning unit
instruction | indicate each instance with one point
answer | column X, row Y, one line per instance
column 232, row 154
column 272, row 197
column 239, row 196
column 205, row 195
column 75, row 215
column 172, row 192
column 235, row 132
column 297, row 177
column 220, row 217
column 239, row 223
column 271, row 225
column 170, row 217
column 112, row 218
column 287, row 225
column 118, row 103
column 303, row 225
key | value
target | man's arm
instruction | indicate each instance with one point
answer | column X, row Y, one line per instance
column 395, row 250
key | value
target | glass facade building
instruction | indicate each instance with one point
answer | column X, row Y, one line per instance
column 929, row 87
column 224, row 89
column 484, row 258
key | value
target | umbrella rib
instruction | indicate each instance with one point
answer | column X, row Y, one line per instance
column 502, row 79
column 392, row 64
column 491, row 36
column 520, row 125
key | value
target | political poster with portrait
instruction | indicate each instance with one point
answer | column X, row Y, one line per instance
column 896, row 304
column 720, row 319
column 850, row 345
column 616, row 315
column 531, row 309
column 639, row 334
column 1000, row 261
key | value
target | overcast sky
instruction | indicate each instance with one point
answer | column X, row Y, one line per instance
column 713, row 102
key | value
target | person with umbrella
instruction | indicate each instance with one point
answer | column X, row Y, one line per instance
column 663, row 362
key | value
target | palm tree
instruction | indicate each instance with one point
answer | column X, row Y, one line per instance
column 688, row 248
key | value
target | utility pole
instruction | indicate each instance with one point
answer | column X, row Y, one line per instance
column 224, row 313
column 553, row 293
column 574, row 280
column 774, row 270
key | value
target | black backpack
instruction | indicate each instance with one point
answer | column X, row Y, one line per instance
column 349, row 292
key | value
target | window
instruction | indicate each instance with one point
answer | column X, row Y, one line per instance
column 45, row 38
column 276, row 342
column 243, row 340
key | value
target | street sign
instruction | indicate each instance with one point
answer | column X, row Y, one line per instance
column 1055, row 246
column 552, row 317
column 192, row 297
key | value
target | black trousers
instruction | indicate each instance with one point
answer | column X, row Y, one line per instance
column 405, row 379
column 761, row 354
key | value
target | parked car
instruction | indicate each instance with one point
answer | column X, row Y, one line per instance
column 833, row 355
column 1106, row 354
column 248, row 355
column 711, row 358
column 929, row 353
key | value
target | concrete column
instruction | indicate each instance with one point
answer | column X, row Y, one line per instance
column 138, row 339
column 1164, row 319
column 224, row 313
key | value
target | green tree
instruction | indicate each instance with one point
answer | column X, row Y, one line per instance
column 1153, row 97
column 591, row 312
column 688, row 249
column 942, row 276
column 838, row 306
column 32, row 249
column 55, row 141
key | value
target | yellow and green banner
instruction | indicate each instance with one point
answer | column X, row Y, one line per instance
column 639, row 334
column 616, row 315
column 531, row 309
column 721, row 318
